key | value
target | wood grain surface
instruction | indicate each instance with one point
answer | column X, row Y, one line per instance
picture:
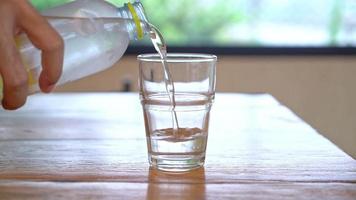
column 92, row 146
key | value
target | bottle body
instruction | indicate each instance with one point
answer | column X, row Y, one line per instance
column 89, row 47
column 95, row 35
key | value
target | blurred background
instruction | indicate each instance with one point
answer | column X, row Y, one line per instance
column 300, row 51
column 248, row 23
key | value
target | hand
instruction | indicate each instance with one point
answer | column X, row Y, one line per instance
column 16, row 17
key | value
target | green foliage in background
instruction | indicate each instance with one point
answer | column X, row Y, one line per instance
column 335, row 21
column 192, row 22
column 45, row 4
column 231, row 22
column 181, row 22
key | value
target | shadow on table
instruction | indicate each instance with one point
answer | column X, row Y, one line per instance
column 189, row 185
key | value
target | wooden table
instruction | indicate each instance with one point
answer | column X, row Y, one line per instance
column 92, row 146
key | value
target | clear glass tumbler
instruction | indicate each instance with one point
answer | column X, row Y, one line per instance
column 177, row 135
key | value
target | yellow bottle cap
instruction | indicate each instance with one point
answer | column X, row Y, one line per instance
column 136, row 20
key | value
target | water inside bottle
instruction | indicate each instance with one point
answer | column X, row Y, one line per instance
column 161, row 47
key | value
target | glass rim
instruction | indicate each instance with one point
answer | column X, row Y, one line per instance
column 178, row 57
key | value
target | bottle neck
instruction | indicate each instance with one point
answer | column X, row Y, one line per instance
column 138, row 25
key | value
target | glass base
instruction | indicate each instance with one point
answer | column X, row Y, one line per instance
column 176, row 163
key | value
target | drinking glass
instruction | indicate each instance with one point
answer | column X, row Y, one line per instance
column 177, row 126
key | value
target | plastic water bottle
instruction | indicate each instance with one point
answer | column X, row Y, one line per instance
column 95, row 33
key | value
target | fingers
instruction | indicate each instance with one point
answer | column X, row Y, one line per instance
column 44, row 37
column 15, row 87
column 52, row 62
column 15, row 17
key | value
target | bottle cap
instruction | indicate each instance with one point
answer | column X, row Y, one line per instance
column 136, row 20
